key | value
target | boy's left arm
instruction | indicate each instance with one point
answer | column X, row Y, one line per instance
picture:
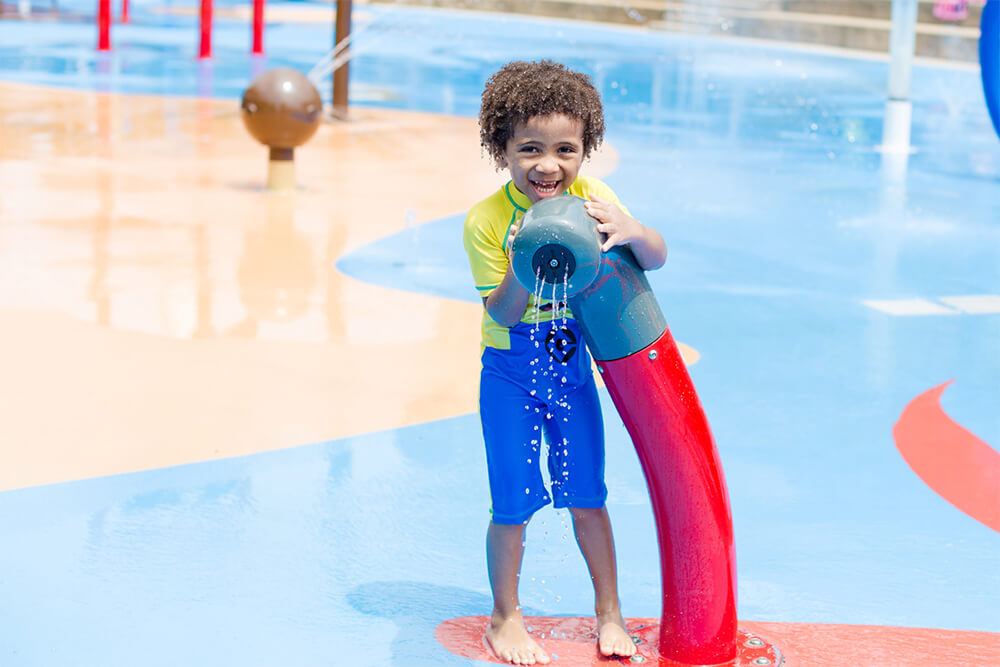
column 621, row 228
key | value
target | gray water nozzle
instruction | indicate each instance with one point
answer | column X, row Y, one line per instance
column 557, row 242
column 608, row 293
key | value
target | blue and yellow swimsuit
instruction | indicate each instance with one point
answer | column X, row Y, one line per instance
column 536, row 384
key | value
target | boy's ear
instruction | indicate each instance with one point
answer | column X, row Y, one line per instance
column 501, row 162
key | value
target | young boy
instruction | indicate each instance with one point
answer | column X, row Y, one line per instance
column 539, row 121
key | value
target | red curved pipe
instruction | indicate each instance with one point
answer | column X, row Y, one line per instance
column 655, row 397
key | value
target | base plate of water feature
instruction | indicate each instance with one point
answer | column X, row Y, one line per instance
column 572, row 641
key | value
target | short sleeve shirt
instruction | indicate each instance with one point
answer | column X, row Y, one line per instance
column 487, row 227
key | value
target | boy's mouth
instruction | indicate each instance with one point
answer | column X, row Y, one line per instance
column 544, row 188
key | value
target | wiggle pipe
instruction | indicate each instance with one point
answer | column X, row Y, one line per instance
column 627, row 335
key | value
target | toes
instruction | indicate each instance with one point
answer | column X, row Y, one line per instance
column 617, row 646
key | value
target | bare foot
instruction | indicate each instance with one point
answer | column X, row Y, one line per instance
column 612, row 638
column 511, row 642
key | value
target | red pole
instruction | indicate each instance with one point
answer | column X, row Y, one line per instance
column 657, row 401
column 205, row 50
column 104, row 25
column 124, row 11
column 258, row 27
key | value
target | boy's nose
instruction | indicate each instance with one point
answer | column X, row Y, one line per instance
column 547, row 165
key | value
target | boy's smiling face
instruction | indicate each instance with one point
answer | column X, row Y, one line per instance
column 544, row 155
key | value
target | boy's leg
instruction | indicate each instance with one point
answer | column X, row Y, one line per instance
column 507, row 634
column 593, row 533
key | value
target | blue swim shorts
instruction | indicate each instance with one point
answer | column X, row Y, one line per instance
column 542, row 385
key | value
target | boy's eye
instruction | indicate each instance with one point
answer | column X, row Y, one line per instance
column 528, row 149
column 567, row 149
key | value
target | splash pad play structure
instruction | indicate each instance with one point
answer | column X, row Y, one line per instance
column 642, row 367
column 558, row 244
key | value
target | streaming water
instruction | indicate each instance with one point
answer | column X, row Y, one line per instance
column 548, row 441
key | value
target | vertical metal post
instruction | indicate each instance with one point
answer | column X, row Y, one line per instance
column 902, row 42
column 104, row 25
column 258, row 28
column 341, row 74
column 205, row 43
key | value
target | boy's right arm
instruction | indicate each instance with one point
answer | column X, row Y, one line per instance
column 507, row 302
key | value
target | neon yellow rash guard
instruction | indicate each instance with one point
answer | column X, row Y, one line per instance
column 487, row 226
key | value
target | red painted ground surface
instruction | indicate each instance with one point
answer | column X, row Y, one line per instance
column 571, row 642
column 957, row 465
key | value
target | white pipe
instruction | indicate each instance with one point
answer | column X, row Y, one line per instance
column 902, row 42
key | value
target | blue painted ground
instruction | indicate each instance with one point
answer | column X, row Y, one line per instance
column 757, row 165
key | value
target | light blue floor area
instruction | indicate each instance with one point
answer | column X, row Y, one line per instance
column 758, row 166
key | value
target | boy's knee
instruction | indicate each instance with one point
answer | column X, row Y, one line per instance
column 584, row 513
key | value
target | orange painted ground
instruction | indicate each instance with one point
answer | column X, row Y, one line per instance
column 571, row 642
column 955, row 463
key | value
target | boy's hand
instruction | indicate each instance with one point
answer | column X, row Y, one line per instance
column 510, row 239
column 619, row 227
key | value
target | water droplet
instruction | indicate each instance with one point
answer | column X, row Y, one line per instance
column 527, row 491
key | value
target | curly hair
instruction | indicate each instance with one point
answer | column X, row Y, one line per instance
column 522, row 90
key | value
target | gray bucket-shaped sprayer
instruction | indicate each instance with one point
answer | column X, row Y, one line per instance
column 608, row 293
